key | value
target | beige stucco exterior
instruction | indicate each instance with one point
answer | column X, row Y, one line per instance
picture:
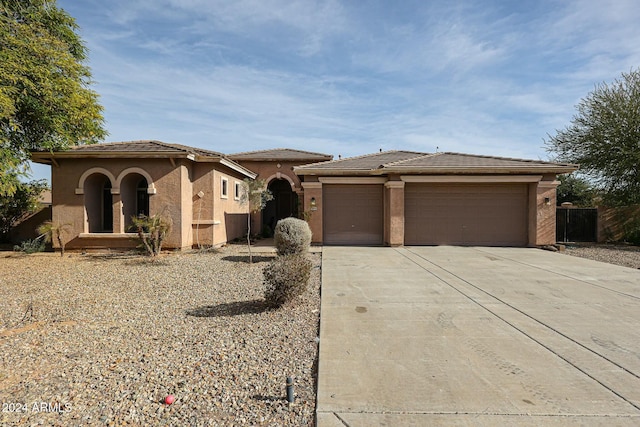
column 97, row 191
column 174, row 189
column 541, row 202
column 269, row 171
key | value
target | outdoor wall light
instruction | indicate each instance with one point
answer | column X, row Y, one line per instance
column 547, row 201
column 313, row 202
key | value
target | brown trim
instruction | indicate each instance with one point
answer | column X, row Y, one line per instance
column 352, row 180
column 471, row 178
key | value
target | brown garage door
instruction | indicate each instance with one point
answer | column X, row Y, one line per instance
column 466, row 214
column 352, row 214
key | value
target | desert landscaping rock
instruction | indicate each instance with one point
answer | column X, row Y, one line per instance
column 618, row 254
column 103, row 339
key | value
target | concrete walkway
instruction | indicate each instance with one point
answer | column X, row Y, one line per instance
column 477, row 337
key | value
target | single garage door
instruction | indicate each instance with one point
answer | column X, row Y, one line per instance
column 466, row 214
column 352, row 214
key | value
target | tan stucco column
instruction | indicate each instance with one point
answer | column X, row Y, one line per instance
column 394, row 213
column 118, row 215
column 313, row 205
column 542, row 209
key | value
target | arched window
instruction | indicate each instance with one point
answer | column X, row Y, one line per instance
column 142, row 199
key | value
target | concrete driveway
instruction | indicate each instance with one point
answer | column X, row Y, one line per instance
column 421, row 336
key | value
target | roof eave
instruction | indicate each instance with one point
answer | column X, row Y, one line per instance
column 557, row 169
column 349, row 172
column 238, row 168
column 110, row 154
column 478, row 170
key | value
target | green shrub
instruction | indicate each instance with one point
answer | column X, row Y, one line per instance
column 54, row 230
column 632, row 232
column 152, row 231
column 30, row 246
column 285, row 278
column 292, row 236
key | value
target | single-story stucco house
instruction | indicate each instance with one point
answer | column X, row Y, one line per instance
column 386, row 198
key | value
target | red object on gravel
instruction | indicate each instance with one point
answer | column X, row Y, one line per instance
column 169, row 399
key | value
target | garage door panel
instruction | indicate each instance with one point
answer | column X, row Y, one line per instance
column 466, row 214
column 352, row 214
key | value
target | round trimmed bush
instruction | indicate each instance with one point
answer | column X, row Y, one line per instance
column 285, row 278
column 292, row 236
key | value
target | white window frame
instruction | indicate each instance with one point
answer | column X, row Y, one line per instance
column 224, row 188
column 237, row 189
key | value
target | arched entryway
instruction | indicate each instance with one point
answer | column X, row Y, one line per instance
column 283, row 205
column 135, row 198
column 98, row 203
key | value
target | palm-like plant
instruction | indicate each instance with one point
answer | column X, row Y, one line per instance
column 152, row 231
column 54, row 230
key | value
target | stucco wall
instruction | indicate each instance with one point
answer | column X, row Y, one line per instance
column 394, row 213
column 613, row 222
column 175, row 194
column 68, row 198
column 545, row 212
column 216, row 219
column 27, row 228
column 230, row 214
column 541, row 211
column 313, row 191
column 270, row 170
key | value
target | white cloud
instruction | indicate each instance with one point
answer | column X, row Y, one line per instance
column 348, row 77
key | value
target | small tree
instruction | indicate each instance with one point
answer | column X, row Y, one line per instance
column 603, row 138
column 45, row 98
column 255, row 195
column 54, row 230
column 152, row 231
column 576, row 190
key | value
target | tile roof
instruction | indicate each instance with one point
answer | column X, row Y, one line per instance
column 416, row 162
column 280, row 154
column 140, row 149
column 467, row 160
column 365, row 162
column 150, row 146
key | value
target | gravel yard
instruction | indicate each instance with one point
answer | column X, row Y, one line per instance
column 104, row 338
column 624, row 255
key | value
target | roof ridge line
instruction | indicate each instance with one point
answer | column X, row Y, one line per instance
column 408, row 160
column 168, row 145
column 333, row 160
column 485, row 156
column 356, row 157
column 241, row 153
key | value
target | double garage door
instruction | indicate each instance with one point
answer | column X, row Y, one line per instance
column 435, row 214
column 466, row 214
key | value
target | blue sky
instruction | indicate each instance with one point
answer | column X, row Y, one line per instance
column 351, row 77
